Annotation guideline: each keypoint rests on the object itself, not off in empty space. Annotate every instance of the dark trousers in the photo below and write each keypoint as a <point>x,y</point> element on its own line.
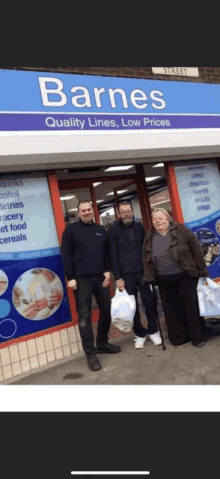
<point>181,309</point>
<point>133,282</point>
<point>86,287</point>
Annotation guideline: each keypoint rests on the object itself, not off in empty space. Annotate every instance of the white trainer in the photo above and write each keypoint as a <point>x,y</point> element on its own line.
<point>156,338</point>
<point>139,342</point>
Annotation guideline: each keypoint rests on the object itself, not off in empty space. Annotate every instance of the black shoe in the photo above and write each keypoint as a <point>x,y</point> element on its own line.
<point>108,349</point>
<point>198,344</point>
<point>93,363</point>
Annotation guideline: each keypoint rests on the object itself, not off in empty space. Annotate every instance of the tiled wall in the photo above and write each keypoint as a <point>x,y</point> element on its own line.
<point>28,356</point>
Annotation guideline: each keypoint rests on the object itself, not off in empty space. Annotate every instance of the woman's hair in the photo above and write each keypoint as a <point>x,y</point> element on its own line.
<point>169,217</point>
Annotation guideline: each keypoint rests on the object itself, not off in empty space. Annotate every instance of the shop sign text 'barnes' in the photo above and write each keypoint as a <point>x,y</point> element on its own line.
<point>34,101</point>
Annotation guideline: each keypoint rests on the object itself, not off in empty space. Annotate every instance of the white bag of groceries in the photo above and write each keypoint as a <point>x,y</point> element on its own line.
<point>209,297</point>
<point>123,308</point>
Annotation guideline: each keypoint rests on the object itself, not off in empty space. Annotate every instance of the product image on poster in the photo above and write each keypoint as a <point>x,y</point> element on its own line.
<point>217,227</point>
<point>3,282</point>
<point>37,294</point>
<point>210,245</point>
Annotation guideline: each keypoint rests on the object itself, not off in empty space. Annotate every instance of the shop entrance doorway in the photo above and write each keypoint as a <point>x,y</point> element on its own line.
<point>105,193</point>
<point>142,188</point>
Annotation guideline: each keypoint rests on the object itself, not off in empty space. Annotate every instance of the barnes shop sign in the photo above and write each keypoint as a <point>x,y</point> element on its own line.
<point>33,101</point>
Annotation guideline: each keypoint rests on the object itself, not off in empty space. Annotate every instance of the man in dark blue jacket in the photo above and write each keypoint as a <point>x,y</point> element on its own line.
<point>86,265</point>
<point>126,238</point>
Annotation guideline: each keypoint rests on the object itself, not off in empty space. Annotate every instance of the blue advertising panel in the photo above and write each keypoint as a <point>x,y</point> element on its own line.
<point>33,296</point>
<point>35,101</point>
<point>199,190</point>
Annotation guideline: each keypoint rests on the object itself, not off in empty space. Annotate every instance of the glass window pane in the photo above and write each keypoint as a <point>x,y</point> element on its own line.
<point>157,186</point>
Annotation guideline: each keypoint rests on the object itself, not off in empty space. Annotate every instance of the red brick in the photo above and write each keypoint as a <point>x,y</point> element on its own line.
<point>206,74</point>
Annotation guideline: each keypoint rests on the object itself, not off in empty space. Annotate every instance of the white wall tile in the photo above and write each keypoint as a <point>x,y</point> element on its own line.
<point>56,339</point>
<point>5,357</point>
<point>77,332</point>
<point>1,375</point>
<point>16,368</point>
<point>74,348</point>
<point>48,342</point>
<point>40,345</point>
<point>34,362</point>
<point>50,356</point>
<point>32,351</point>
<point>80,346</point>
<point>42,359</point>
<point>66,351</point>
<point>72,334</point>
<point>64,337</point>
<point>23,351</point>
<point>25,364</point>
<point>7,372</point>
<point>13,352</point>
<point>59,353</point>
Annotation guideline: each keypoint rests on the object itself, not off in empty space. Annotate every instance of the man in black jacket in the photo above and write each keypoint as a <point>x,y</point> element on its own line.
<point>86,265</point>
<point>126,239</point>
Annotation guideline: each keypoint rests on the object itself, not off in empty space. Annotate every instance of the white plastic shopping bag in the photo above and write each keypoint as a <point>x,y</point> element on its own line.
<point>123,308</point>
<point>209,297</point>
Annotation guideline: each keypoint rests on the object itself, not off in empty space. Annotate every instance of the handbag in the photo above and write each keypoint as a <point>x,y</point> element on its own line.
<point>123,308</point>
<point>209,297</point>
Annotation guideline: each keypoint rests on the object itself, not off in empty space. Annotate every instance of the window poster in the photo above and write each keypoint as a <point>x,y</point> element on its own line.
<point>199,190</point>
<point>33,295</point>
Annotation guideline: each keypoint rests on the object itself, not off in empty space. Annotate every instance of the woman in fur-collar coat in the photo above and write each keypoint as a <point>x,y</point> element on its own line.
<point>173,258</point>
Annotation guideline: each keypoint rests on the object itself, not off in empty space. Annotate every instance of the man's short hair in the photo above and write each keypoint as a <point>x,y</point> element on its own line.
<point>124,203</point>
<point>82,202</point>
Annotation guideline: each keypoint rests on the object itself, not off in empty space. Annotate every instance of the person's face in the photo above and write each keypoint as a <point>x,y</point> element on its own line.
<point>86,213</point>
<point>160,222</point>
<point>125,214</point>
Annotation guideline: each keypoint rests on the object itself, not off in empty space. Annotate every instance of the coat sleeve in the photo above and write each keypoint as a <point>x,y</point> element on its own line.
<point>112,236</point>
<point>107,258</point>
<point>149,273</point>
<point>197,253</point>
<point>142,232</point>
<point>67,254</point>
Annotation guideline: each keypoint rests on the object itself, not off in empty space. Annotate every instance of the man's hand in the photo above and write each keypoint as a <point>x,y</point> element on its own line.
<point>120,284</point>
<point>72,284</point>
<point>106,281</point>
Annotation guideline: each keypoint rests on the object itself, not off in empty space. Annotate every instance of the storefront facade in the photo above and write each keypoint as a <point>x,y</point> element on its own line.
<point>71,136</point>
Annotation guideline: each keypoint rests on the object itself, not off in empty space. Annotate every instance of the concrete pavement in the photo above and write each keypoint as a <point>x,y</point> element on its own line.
<point>151,365</point>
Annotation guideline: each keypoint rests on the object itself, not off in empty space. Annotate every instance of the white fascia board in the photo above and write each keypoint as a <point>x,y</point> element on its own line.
<point>73,142</point>
<point>60,150</point>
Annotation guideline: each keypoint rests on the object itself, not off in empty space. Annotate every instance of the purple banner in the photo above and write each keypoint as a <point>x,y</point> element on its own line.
<point>55,121</point>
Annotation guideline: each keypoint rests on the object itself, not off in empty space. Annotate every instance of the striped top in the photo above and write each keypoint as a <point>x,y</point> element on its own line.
<point>163,262</point>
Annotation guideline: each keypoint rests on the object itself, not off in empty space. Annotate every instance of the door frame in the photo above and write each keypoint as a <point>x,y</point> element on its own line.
<point>62,185</point>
